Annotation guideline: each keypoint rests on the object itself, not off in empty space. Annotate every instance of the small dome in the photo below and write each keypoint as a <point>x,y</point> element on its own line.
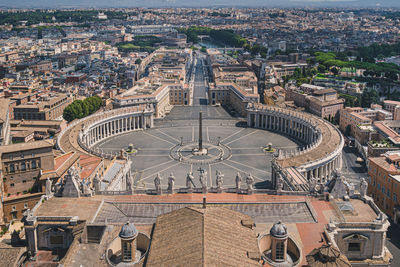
<point>128,231</point>
<point>279,230</point>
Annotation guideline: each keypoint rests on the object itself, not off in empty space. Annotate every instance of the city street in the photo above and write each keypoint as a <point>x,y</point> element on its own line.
<point>200,90</point>
<point>351,169</point>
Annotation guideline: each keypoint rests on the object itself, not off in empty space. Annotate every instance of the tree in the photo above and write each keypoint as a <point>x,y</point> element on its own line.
<point>321,68</point>
<point>80,109</point>
<point>138,61</point>
<point>368,97</point>
<point>391,75</point>
<point>335,71</point>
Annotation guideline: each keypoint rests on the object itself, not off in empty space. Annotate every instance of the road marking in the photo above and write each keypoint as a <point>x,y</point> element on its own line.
<point>155,166</point>
<point>158,138</point>
<point>233,167</point>
<point>152,155</point>
<point>168,135</point>
<point>238,154</point>
<point>153,149</point>
<point>267,172</point>
<point>233,134</point>
<point>242,137</point>
<point>153,174</point>
<point>208,137</point>
<point>192,133</point>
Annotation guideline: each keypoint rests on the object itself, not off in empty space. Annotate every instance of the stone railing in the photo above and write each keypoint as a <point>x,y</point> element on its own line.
<point>184,190</point>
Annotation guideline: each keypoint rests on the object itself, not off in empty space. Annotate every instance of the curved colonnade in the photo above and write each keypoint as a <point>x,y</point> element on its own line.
<point>321,154</point>
<point>97,127</point>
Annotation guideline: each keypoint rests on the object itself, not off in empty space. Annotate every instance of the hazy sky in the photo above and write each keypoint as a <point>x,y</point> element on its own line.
<point>198,3</point>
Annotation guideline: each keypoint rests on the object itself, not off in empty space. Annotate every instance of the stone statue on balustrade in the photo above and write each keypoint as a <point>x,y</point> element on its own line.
<point>203,179</point>
<point>190,181</point>
<point>49,191</point>
<point>129,183</point>
<point>96,183</point>
<point>171,183</point>
<point>238,181</point>
<point>312,183</point>
<point>339,189</point>
<point>219,181</point>
<point>249,182</point>
<point>157,184</point>
<point>363,188</point>
<point>86,190</point>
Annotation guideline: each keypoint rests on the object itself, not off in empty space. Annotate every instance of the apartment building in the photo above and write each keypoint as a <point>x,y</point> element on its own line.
<point>351,117</point>
<point>23,163</point>
<point>384,183</point>
<point>320,101</point>
<point>47,107</point>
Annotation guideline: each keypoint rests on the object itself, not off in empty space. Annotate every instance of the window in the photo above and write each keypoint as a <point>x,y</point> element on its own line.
<point>33,164</point>
<point>12,184</point>
<point>354,247</point>
<point>23,166</point>
<point>25,205</point>
<point>394,197</point>
<point>127,251</point>
<point>280,247</point>
<point>12,167</point>
<point>23,181</point>
<point>14,208</point>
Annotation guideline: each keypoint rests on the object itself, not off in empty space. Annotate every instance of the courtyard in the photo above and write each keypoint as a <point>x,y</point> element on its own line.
<point>232,148</point>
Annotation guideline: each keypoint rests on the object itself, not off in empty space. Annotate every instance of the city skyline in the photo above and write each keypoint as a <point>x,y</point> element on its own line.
<point>202,4</point>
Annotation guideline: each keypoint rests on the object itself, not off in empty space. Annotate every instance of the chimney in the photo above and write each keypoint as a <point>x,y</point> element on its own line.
<point>204,202</point>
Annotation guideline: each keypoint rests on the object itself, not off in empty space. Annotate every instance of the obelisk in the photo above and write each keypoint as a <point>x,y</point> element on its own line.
<point>200,132</point>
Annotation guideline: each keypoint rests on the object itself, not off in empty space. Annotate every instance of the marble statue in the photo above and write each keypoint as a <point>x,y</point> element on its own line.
<point>129,183</point>
<point>249,182</point>
<point>86,190</point>
<point>219,179</point>
<point>48,187</point>
<point>171,182</point>
<point>96,183</point>
<point>203,178</point>
<point>339,190</point>
<point>157,183</point>
<point>312,183</point>
<point>190,180</point>
<point>363,187</point>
